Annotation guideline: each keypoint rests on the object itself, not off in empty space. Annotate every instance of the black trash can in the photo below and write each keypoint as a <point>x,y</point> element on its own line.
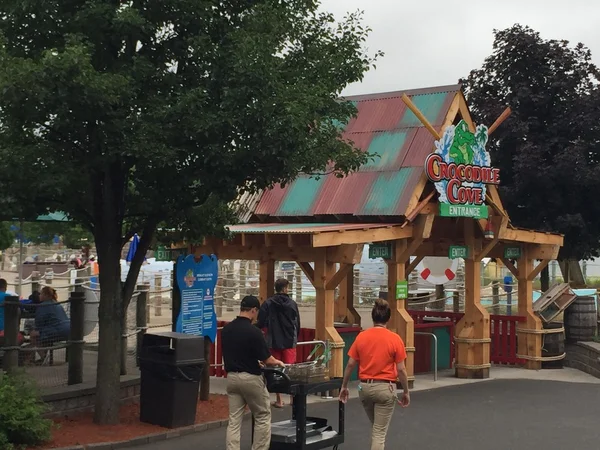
<point>171,367</point>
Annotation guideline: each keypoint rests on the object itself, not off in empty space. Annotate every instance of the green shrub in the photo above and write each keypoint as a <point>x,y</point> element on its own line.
<point>21,420</point>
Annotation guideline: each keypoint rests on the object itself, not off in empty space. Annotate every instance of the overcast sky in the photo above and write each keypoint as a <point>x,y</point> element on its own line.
<point>435,42</point>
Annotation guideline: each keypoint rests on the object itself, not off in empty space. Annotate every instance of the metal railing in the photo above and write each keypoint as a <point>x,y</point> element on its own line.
<point>435,352</point>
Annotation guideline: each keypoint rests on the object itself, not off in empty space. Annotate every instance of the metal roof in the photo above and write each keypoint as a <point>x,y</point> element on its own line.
<point>383,186</point>
<point>303,228</point>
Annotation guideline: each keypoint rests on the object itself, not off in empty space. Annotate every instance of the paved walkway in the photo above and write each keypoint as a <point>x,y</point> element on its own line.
<point>497,414</point>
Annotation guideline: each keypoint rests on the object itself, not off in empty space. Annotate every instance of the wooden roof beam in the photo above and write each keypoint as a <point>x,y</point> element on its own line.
<point>364,236</point>
<point>531,237</point>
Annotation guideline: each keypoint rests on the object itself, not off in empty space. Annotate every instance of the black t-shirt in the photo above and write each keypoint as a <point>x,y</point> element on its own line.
<point>243,347</point>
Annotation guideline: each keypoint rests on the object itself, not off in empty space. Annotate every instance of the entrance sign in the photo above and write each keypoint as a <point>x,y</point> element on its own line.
<point>460,169</point>
<point>401,290</point>
<point>196,282</point>
<point>380,250</point>
<point>458,251</point>
<point>512,252</point>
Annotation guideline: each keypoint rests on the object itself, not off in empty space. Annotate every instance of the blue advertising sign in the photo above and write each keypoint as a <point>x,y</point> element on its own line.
<point>196,282</point>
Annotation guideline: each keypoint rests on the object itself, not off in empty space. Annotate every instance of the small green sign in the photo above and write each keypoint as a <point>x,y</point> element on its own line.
<point>458,251</point>
<point>472,211</point>
<point>512,252</point>
<point>401,290</point>
<point>168,254</point>
<point>380,250</point>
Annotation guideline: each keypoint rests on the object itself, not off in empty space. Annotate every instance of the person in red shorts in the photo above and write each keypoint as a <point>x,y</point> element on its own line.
<point>280,315</point>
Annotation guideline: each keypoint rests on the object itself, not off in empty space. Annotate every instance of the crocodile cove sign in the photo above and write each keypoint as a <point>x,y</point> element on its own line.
<point>460,170</point>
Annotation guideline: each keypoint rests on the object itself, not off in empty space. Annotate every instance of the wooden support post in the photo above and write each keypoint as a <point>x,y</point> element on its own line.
<point>75,349</point>
<point>325,311</point>
<point>473,331</point>
<point>401,322</point>
<point>529,337</point>
<point>266,279</point>
<point>345,302</point>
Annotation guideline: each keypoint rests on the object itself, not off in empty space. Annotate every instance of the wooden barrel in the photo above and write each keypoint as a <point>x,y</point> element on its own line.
<point>553,346</point>
<point>581,319</point>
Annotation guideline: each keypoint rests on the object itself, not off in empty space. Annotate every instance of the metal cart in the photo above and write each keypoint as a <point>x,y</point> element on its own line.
<point>302,432</point>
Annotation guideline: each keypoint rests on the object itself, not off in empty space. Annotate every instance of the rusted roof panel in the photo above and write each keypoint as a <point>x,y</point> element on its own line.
<point>377,115</point>
<point>389,147</point>
<point>270,200</point>
<point>421,146</point>
<point>430,105</point>
<point>301,196</point>
<point>382,187</point>
<point>344,196</point>
<point>385,194</point>
<point>303,228</point>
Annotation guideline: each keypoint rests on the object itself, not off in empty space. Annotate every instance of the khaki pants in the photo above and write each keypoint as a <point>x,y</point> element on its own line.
<point>247,389</point>
<point>379,400</point>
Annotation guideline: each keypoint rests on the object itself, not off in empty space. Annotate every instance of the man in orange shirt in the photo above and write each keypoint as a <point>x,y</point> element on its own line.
<point>380,355</point>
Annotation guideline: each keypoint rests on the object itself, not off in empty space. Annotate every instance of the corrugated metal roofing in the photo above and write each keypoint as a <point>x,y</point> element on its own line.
<point>303,228</point>
<point>382,187</point>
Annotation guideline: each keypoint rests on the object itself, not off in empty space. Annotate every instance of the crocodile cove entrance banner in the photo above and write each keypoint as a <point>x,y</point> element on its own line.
<point>460,170</point>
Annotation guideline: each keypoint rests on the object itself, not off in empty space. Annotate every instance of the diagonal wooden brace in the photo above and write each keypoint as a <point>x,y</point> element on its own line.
<point>337,277</point>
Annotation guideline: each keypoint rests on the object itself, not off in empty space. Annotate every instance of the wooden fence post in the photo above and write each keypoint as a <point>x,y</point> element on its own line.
<point>35,282</point>
<point>456,301</point>
<point>357,296</point>
<point>205,377</point>
<point>242,283</point>
<point>158,295</point>
<point>75,348</point>
<point>496,297</point>
<point>11,333</point>
<point>298,281</point>
<point>141,318</point>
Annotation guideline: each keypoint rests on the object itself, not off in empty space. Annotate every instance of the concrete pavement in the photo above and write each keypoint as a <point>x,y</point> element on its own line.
<point>505,412</point>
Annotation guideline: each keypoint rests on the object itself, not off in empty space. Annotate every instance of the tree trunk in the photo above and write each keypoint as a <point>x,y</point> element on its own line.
<point>572,274</point>
<point>110,324</point>
<point>545,279</point>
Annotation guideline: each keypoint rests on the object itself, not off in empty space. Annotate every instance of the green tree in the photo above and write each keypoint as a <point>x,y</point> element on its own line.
<point>548,150</point>
<point>7,237</point>
<point>137,113</point>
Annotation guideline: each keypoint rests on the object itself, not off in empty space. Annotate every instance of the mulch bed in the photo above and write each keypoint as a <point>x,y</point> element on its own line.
<point>81,430</point>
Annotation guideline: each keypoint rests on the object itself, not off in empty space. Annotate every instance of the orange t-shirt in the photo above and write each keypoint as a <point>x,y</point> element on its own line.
<point>377,351</point>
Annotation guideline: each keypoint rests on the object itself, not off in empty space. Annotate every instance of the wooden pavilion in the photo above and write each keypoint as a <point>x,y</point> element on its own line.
<point>320,223</point>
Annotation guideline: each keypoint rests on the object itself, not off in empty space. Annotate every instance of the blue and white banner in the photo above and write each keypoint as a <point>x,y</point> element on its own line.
<point>196,282</point>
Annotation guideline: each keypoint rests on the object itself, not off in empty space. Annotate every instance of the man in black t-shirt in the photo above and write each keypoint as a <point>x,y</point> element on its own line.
<point>244,348</point>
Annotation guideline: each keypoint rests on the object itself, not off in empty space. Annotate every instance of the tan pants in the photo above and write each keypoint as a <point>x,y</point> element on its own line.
<point>247,389</point>
<point>379,400</point>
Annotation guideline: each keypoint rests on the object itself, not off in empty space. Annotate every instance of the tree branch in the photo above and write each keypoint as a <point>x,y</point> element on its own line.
<point>137,261</point>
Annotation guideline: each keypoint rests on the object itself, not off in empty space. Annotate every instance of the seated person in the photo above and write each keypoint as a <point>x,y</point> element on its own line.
<point>51,322</point>
<point>3,295</point>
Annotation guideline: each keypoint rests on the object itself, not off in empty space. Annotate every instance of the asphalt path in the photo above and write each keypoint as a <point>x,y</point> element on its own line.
<point>491,415</point>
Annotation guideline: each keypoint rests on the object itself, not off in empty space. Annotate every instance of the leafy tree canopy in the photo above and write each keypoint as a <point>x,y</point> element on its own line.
<point>548,150</point>
<point>133,114</point>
